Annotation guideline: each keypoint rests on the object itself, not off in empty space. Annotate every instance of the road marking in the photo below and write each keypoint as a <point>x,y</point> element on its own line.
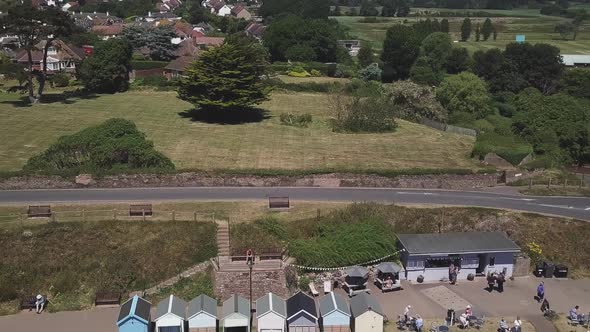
<point>587,209</point>
<point>557,206</point>
<point>410,193</point>
<point>518,199</point>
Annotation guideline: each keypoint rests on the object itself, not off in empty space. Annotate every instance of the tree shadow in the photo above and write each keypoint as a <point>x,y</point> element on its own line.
<point>66,97</point>
<point>234,116</point>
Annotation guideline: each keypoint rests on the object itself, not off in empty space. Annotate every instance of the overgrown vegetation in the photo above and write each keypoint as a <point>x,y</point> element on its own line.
<point>71,261</point>
<point>187,288</point>
<point>296,120</point>
<point>115,144</point>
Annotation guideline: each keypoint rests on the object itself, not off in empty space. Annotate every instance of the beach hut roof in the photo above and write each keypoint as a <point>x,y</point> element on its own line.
<point>202,303</point>
<point>171,305</point>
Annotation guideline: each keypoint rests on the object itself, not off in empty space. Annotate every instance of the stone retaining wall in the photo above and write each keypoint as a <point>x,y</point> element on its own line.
<point>228,283</point>
<point>191,179</point>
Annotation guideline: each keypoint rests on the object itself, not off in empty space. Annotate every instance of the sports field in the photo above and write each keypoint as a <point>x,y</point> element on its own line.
<point>528,22</point>
<point>266,144</point>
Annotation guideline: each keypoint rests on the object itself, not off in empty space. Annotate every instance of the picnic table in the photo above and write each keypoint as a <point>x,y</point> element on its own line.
<point>382,284</point>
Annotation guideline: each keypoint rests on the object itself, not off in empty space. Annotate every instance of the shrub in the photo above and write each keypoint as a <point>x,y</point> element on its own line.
<point>358,114</point>
<point>315,73</point>
<point>371,73</point>
<point>298,71</point>
<point>114,144</point>
<point>60,80</point>
<point>145,64</point>
<point>296,120</point>
<point>415,102</point>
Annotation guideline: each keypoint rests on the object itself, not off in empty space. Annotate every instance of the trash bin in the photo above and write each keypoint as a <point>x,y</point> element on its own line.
<point>539,269</point>
<point>549,269</point>
<point>560,271</point>
<point>450,317</point>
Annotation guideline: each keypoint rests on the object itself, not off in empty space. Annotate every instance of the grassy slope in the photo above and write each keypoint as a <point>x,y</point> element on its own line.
<point>71,261</point>
<point>536,28</point>
<point>263,145</point>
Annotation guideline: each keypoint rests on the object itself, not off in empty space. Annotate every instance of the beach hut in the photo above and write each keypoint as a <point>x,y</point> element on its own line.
<point>301,313</point>
<point>236,315</point>
<point>334,313</point>
<point>271,313</point>
<point>366,313</point>
<point>170,315</point>
<point>134,315</point>
<point>202,314</point>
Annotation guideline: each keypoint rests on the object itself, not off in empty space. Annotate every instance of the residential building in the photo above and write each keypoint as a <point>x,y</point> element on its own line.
<point>177,67</point>
<point>239,11</point>
<point>60,57</point>
<point>108,31</point>
<point>255,30</point>
<point>352,46</point>
<point>206,42</point>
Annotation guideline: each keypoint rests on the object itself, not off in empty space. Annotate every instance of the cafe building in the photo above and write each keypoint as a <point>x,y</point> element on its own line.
<point>427,257</point>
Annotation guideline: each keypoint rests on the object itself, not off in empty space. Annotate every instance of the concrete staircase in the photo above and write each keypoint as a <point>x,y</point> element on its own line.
<point>223,238</point>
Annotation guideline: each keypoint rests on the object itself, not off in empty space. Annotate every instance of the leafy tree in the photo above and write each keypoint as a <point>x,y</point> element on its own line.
<point>13,71</point>
<point>539,64</point>
<point>487,29</point>
<point>556,125</point>
<point>444,25</point>
<point>576,82</point>
<point>116,143</point>
<point>465,93</point>
<point>500,74</point>
<point>156,39</point>
<point>495,33</point>
<point>227,78</point>
<point>300,53</point>
<point>319,35</point>
<point>365,55</point>
<point>437,48</point>
<point>35,28</point>
<point>415,102</point>
<point>403,8</point>
<point>107,70</point>
<point>423,73</point>
<point>389,8</point>
<point>565,29</point>
<point>371,72</point>
<point>368,8</point>
<point>458,60</point>
<point>477,32</point>
<point>466,29</point>
<point>426,27</point>
<point>197,14</point>
<point>400,50</point>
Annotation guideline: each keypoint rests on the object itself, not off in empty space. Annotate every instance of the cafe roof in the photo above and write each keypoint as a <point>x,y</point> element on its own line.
<point>457,243</point>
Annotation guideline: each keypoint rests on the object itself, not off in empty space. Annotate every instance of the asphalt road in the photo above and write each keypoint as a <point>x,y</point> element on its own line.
<point>573,207</point>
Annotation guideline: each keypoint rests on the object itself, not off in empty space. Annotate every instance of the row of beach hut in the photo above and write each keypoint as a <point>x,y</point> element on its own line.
<point>273,314</point>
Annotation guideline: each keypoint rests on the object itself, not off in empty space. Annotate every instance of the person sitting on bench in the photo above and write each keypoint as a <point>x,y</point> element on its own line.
<point>39,303</point>
<point>574,314</point>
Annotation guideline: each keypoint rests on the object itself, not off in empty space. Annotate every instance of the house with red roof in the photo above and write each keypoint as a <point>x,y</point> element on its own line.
<point>60,57</point>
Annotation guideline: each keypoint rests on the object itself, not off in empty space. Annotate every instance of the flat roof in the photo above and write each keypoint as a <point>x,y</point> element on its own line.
<point>573,59</point>
<point>457,243</point>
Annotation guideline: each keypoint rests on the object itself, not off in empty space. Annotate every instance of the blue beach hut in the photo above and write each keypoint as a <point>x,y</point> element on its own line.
<point>134,315</point>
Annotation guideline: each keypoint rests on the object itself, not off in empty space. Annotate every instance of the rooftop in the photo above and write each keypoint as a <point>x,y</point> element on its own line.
<point>457,243</point>
<point>364,302</point>
<point>573,59</point>
<point>333,302</point>
<point>171,305</point>
<point>202,303</point>
<point>271,303</point>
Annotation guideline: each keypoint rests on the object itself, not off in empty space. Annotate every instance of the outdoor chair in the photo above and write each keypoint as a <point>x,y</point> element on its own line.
<point>327,286</point>
<point>477,322</point>
<point>313,290</point>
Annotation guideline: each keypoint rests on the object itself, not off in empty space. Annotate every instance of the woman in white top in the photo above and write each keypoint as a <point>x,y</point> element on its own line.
<point>517,324</point>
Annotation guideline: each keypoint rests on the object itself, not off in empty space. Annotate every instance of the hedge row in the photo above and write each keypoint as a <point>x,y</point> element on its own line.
<point>146,64</point>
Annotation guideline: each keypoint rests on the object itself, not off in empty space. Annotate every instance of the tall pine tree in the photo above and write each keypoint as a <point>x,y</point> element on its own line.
<point>444,25</point>
<point>487,29</point>
<point>466,29</point>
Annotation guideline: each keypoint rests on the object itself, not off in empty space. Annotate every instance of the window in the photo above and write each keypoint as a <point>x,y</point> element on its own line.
<point>492,260</point>
<point>51,50</point>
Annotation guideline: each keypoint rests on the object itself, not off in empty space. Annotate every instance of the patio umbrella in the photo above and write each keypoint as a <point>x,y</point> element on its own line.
<point>389,267</point>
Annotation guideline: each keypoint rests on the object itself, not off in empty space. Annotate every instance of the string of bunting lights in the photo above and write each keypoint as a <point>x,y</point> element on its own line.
<point>313,268</point>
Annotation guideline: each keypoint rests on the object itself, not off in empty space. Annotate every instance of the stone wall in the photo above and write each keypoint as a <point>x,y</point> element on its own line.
<point>522,266</point>
<point>228,283</point>
<point>192,179</point>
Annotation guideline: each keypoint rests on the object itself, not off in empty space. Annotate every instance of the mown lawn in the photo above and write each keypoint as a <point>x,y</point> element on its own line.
<point>536,28</point>
<point>266,144</point>
<point>71,261</point>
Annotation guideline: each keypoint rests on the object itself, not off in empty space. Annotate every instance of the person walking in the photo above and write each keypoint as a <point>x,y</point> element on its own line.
<point>517,324</point>
<point>491,281</point>
<point>407,316</point>
<point>500,281</point>
<point>541,292</point>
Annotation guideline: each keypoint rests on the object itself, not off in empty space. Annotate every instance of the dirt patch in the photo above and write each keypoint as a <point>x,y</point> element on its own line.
<point>191,179</point>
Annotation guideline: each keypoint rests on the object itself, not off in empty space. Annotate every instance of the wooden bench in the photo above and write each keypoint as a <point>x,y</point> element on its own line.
<point>107,298</point>
<point>278,202</point>
<point>139,210</point>
<point>28,302</point>
<point>39,211</point>
<point>313,290</point>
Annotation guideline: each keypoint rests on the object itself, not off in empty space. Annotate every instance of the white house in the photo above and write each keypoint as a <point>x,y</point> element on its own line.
<point>202,314</point>
<point>334,313</point>
<point>366,313</point>
<point>170,315</point>
<point>236,315</point>
<point>271,313</point>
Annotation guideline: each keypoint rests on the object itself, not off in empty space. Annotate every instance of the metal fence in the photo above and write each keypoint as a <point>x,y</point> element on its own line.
<point>449,128</point>
<point>84,215</point>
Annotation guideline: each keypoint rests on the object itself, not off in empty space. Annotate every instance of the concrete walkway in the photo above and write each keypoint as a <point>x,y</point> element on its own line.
<point>95,320</point>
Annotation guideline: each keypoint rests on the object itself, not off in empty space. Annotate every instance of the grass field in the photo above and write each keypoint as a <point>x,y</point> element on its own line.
<point>535,27</point>
<point>71,261</point>
<point>267,144</point>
